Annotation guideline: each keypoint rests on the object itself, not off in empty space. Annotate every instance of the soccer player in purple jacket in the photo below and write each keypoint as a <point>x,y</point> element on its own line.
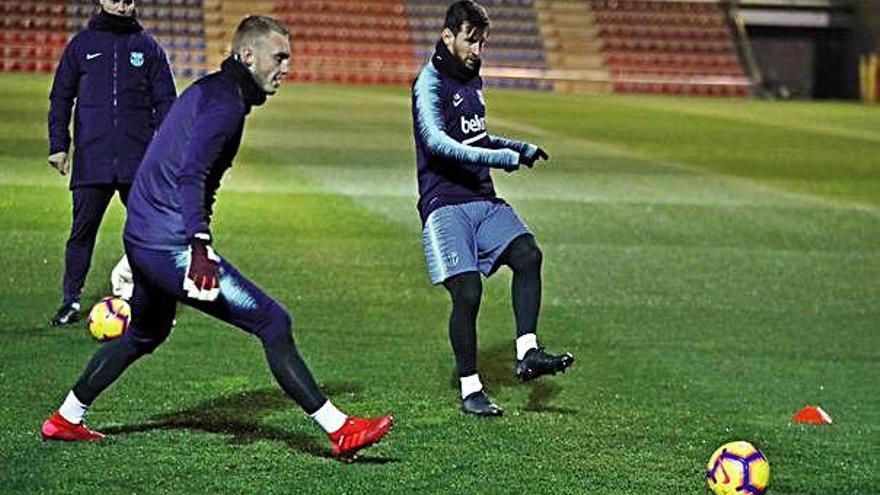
<point>468,229</point>
<point>169,243</point>
<point>119,77</point>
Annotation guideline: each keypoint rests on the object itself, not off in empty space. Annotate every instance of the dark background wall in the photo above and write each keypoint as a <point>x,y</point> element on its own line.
<point>869,24</point>
<point>807,63</point>
<point>811,50</point>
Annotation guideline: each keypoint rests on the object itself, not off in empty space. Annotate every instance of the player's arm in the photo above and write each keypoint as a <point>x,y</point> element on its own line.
<point>528,152</point>
<point>223,161</point>
<point>432,130</point>
<point>498,142</point>
<point>215,124</point>
<point>61,97</point>
<point>163,92</point>
<point>213,127</point>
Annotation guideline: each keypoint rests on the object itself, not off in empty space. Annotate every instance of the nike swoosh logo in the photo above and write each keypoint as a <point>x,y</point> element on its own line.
<point>456,103</point>
<point>90,56</point>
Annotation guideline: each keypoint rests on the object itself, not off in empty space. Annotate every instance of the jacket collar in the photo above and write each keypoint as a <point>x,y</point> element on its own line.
<point>102,21</point>
<point>448,65</point>
<point>252,94</point>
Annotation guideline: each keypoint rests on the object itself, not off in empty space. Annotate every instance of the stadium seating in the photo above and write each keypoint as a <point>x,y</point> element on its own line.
<point>572,47</point>
<point>33,34</point>
<point>654,46</point>
<point>515,50</point>
<point>348,42</point>
<point>669,47</point>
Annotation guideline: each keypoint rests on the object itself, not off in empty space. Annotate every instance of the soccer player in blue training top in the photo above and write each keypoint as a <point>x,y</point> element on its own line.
<point>469,230</point>
<point>168,241</point>
<point>118,75</point>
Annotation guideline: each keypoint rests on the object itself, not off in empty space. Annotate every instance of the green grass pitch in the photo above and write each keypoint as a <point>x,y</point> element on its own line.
<point>713,264</point>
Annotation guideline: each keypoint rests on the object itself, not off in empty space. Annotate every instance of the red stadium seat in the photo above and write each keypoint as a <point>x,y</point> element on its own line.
<point>662,42</point>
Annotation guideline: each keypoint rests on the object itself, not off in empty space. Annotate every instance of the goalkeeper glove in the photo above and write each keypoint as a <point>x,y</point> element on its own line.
<point>202,280</point>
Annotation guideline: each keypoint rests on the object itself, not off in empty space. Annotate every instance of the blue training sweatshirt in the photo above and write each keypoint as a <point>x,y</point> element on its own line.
<point>173,193</point>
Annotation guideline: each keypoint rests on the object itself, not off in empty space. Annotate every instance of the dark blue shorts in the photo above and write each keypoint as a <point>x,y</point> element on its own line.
<point>158,287</point>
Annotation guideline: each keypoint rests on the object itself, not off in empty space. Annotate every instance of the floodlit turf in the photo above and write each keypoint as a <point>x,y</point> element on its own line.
<point>713,264</point>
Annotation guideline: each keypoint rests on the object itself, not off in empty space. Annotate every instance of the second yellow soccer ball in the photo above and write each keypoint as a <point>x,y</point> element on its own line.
<point>738,468</point>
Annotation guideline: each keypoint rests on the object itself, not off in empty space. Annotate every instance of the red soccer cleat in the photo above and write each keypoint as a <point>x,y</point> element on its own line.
<point>359,433</point>
<point>58,428</point>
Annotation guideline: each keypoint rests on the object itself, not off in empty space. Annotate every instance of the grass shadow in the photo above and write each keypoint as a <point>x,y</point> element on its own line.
<point>40,329</point>
<point>496,366</point>
<point>543,391</point>
<point>239,416</point>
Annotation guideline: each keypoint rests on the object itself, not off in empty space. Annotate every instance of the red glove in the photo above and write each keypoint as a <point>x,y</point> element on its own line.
<point>202,280</point>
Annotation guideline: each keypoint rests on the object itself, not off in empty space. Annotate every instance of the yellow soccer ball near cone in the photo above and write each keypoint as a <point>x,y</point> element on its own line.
<point>738,468</point>
<point>109,319</point>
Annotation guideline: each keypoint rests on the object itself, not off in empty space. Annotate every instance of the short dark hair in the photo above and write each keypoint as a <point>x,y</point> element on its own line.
<point>466,11</point>
<point>253,27</point>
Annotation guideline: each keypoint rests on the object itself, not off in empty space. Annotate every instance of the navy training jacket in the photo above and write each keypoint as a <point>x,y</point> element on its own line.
<point>123,87</point>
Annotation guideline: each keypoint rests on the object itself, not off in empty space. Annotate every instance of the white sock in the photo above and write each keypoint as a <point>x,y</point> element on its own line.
<point>329,418</point>
<point>525,343</point>
<point>470,384</point>
<point>72,409</point>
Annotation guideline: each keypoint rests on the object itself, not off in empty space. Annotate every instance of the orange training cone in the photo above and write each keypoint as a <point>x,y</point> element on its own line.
<point>813,415</point>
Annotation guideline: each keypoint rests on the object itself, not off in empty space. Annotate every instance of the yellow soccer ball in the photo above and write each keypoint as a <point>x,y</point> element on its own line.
<point>109,319</point>
<point>738,468</point>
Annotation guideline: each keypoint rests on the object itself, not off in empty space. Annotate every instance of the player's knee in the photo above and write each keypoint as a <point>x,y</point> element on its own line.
<point>278,327</point>
<point>81,238</point>
<point>470,295</point>
<point>525,255</point>
<point>466,289</point>
<point>535,256</point>
<point>148,329</point>
<point>145,342</point>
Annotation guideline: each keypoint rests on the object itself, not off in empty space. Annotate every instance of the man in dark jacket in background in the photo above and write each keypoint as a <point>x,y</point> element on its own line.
<point>122,84</point>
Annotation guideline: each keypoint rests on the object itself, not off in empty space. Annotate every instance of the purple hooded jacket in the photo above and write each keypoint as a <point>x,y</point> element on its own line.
<point>122,84</point>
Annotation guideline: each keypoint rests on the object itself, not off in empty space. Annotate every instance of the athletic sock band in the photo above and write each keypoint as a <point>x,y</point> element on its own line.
<point>470,384</point>
<point>329,418</point>
<point>72,409</point>
<point>525,343</point>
